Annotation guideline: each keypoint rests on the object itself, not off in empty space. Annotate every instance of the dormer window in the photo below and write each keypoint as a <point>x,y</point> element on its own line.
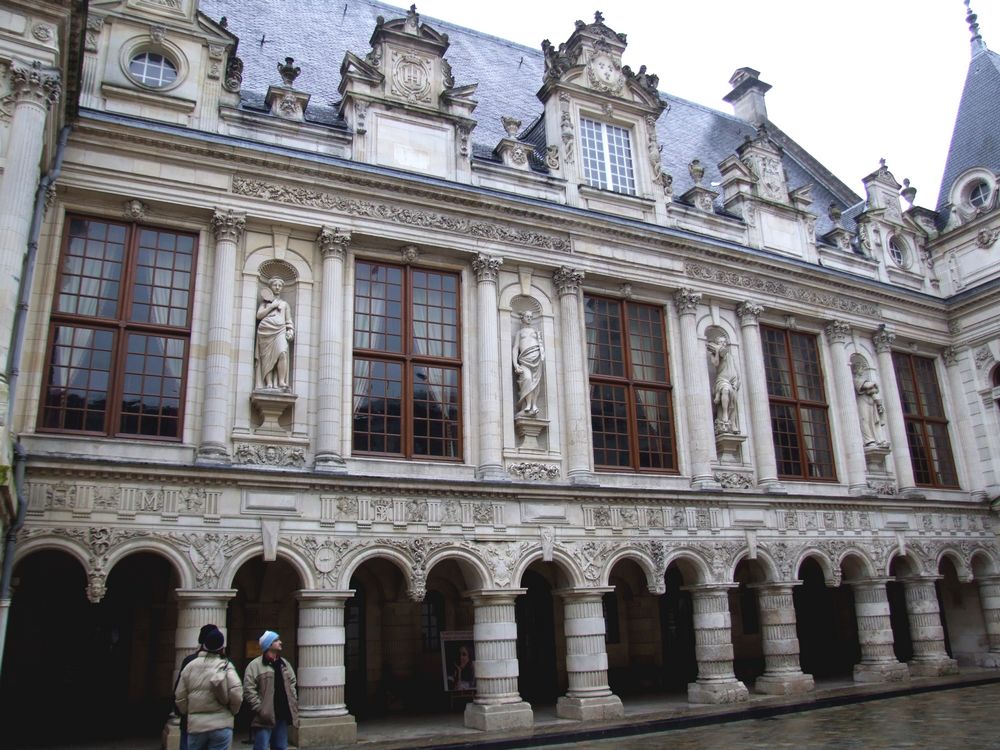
<point>607,157</point>
<point>899,252</point>
<point>152,69</point>
<point>979,195</point>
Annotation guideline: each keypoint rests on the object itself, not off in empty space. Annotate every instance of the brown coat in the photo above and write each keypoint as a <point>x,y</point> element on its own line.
<point>258,689</point>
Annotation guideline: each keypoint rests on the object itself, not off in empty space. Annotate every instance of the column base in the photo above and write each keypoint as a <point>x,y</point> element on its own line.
<point>990,660</point>
<point>932,668</point>
<point>793,683</point>
<point>772,487</point>
<point>861,490</point>
<point>705,483</point>
<point>584,479</point>
<point>911,493</point>
<point>330,463</point>
<point>324,731</point>
<point>213,454</point>
<point>884,672</point>
<point>499,716</point>
<point>589,709</point>
<point>492,474</point>
<point>170,737</point>
<point>728,691</point>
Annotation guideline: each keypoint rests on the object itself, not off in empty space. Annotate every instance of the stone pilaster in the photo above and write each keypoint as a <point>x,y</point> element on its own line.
<point>588,696</point>
<point>878,662</point>
<point>575,390</point>
<point>487,269</point>
<point>930,658</point>
<point>34,90</point>
<point>498,704</point>
<point>228,226</point>
<point>852,444</point>
<point>696,398</point>
<point>974,481</point>
<point>323,716</point>
<point>905,482</point>
<point>989,599</point>
<point>760,406</point>
<point>195,609</point>
<point>713,647</point>
<point>333,245</point>
<point>783,673</point>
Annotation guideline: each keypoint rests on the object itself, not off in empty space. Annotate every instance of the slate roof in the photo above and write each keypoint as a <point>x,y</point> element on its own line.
<point>975,141</point>
<point>317,33</point>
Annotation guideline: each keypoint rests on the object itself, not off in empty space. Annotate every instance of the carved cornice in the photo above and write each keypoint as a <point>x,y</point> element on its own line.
<point>686,301</point>
<point>749,313</point>
<point>34,85</point>
<point>487,267</point>
<point>333,242</point>
<point>567,280</point>
<point>811,297</point>
<point>837,331</point>
<point>883,340</point>
<point>302,196</point>
<point>228,225</point>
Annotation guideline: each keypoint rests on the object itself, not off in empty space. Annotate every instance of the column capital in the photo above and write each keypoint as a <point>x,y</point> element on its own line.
<point>765,586</point>
<point>228,225</point>
<point>567,280</point>
<point>986,580</point>
<point>494,596</point>
<point>316,596</point>
<point>583,592</point>
<point>710,589</point>
<point>837,331</point>
<point>686,301</point>
<point>918,579</point>
<point>34,85</point>
<point>883,339</point>
<point>487,267</point>
<point>194,594</point>
<point>333,242</point>
<point>950,356</point>
<point>749,313</point>
<point>871,583</point>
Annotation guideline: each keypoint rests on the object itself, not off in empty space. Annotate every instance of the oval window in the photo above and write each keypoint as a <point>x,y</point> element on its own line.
<point>152,69</point>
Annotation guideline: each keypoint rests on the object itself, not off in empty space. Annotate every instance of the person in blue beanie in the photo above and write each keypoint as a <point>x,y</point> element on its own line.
<point>269,689</point>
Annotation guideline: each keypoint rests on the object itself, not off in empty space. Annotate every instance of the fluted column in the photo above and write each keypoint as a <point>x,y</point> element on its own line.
<point>852,443</point>
<point>713,647</point>
<point>576,395</point>
<point>974,480</point>
<point>34,90</point>
<point>195,609</point>
<point>989,600</point>
<point>905,482</point>
<point>228,228</point>
<point>487,270</point>
<point>783,673</point>
<point>930,658</point>
<point>498,703</point>
<point>333,245</point>
<point>878,661</point>
<point>760,405</point>
<point>323,716</point>
<point>588,696</point>
<point>696,397</point>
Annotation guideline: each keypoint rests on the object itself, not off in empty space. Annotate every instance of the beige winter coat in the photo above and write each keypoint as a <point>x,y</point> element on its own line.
<point>258,685</point>
<point>209,693</point>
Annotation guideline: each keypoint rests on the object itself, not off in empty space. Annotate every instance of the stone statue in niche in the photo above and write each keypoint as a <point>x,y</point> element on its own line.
<point>528,356</point>
<point>274,332</point>
<point>871,412</point>
<point>726,386</point>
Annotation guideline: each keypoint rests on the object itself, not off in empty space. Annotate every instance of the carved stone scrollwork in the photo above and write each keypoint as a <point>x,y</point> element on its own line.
<point>735,480</point>
<point>228,225</point>
<point>567,280</point>
<point>749,313</point>
<point>987,237</point>
<point>686,301</point>
<point>552,157</point>
<point>487,267</point>
<point>534,472</point>
<point>333,241</point>
<point>983,357</point>
<point>837,331</point>
<point>94,26</point>
<point>234,75</point>
<point>35,85</point>
<point>269,455</point>
<point>883,340</point>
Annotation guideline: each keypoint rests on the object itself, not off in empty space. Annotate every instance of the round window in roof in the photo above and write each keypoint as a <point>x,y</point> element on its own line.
<point>152,69</point>
<point>979,195</point>
<point>899,252</point>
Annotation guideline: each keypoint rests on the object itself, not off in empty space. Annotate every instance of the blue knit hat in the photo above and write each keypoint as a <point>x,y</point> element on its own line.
<point>267,639</point>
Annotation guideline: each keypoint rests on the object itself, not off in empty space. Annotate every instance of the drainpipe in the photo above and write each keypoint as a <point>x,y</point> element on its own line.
<point>13,363</point>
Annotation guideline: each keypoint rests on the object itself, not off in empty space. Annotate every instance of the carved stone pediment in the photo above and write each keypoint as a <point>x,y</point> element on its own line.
<point>762,157</point>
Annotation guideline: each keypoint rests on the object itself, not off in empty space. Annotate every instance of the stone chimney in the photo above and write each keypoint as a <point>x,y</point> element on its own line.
<point>747,96</point>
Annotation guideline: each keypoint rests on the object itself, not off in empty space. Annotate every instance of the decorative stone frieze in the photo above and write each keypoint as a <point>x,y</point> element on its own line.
<point>534,472</point>
<point>734,480</point>
<point>269,455</point>
<point>302,196</point>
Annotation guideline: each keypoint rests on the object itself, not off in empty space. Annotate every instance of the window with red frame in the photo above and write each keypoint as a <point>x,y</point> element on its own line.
<point>631,400</point>
<point>926,425</point>
<point>407,362</point>
<point>119,331</point>
<point>800,422</point>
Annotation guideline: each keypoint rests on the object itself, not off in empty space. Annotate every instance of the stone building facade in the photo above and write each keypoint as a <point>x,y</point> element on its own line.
<point>460,340</point>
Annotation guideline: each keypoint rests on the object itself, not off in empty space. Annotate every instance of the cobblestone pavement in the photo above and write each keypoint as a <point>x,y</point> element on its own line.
<point>960,719</point>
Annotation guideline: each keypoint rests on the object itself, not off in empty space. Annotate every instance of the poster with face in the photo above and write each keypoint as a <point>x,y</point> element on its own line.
<point>458,660</point>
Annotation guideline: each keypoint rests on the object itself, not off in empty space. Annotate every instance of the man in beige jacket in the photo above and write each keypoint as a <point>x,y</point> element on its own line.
<point>209,693</point>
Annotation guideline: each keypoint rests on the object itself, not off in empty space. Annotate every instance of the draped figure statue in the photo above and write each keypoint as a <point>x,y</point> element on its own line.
<point>726,386</point>
<point>871,412</point>
<point>274,330</point>
<point>528,356</point>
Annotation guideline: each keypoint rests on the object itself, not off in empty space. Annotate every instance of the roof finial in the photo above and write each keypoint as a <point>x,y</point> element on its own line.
<point>978,45</point>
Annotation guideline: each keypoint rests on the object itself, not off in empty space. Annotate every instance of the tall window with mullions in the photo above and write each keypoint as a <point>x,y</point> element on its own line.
<point>800,421</point>
<point>407,362</point>
<point>631,398</point>
<point>926,425</point>
<point>119,331</point>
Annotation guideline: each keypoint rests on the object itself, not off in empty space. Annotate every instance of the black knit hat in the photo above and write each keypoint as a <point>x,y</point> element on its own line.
<point>205,630</point>
<point>214,640</point>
